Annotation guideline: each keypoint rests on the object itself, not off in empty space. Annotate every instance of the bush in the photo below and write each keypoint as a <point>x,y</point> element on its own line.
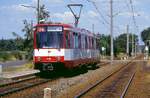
<point>11,55</point>
<point>5,57</point>
<point>29,65</point>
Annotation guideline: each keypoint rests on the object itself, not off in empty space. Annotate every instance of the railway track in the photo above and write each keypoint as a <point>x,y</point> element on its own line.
<point>21,85</point>
<point>127,86</point>
<point>119,79</point>
<point>17,81</point>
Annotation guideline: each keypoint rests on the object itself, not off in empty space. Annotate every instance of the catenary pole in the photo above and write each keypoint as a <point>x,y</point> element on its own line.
<point>127,48</point>
<point>132,44</point>
<point>111,30</point>
<point>93,28</point>
<point>38,11</point>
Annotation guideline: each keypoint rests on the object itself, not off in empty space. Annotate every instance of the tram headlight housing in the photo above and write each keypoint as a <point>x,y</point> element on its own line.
<point>39,58</point>
<point>49,58</point>
<point>58,58</point>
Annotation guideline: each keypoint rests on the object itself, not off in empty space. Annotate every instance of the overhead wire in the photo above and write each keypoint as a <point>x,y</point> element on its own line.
<point>133,15</point>
<point>127,5</point>
<point>104,21</point>
<point>103,17</point>
<point>99,12</point>
<point>129,9</point>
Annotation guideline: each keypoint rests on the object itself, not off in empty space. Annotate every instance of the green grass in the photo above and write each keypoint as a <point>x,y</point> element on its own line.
<point>24,67</point>
<point>29,65</point>
<point>11,55</point>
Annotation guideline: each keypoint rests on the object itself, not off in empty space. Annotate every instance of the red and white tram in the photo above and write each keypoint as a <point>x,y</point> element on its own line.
<point>57,45</point>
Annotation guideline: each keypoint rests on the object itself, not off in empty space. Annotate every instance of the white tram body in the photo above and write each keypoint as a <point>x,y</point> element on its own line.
<point>62,44</point>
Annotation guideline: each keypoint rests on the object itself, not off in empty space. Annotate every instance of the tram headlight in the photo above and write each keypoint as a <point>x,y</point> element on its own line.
<point>49,58</point>
<point>58,58</point>
<point>39,58</point>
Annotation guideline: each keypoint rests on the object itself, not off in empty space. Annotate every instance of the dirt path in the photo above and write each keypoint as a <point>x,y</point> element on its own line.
<point>140,88</point>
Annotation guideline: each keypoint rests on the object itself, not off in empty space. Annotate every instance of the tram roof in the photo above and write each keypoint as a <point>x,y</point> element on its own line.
<point>55,24</point>
<point>68,27</point>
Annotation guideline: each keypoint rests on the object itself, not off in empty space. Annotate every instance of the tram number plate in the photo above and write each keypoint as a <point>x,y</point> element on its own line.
<point>54,28</point>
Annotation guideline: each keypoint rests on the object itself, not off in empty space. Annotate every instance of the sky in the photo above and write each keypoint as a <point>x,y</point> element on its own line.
<point>12,14</point>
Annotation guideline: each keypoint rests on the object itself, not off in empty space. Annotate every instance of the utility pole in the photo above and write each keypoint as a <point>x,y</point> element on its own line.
<point>111,30</point>
<point>93,27</point>
<point>132,44</point>
<point>127,48</point>
<point>37,8</point>
<point>38,11</point>
<point>135,48</point>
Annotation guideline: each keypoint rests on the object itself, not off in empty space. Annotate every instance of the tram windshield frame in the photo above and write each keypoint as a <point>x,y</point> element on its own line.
<point>49,37</point>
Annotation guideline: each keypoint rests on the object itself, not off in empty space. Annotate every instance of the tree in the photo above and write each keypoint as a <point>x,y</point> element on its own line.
<point>28,41</point>
<point>11,45</point>
<point>120,43</point>
<point>104,41</point>
<point>18,41</point>
<point>145,34</point>
<point>44,14</point>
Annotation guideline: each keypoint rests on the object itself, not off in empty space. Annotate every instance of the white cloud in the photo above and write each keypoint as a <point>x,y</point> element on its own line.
<point>129,14</point>
<point>144,15</point>
<point>65,17</point>
<point>49,1</point>
<point>92,14</point>
<point>140,14</point>
<point>16,8</point>
<point>56,1</point>
<point>20,8</point>
<point>136,2</point>
<point>95,0</point>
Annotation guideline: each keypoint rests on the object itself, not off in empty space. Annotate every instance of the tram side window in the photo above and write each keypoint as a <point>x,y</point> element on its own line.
<point>79,42</point>
<point>74,40</point>
<point>83,41</point>
<point>71,40</point>
<point>86,42</point>
<point>94,43</point>
<point>90,43</point>
<point>75,37</point>
<point>67,40</point>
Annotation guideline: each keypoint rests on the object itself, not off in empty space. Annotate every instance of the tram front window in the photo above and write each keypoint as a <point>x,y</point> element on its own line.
<point>49,39</point>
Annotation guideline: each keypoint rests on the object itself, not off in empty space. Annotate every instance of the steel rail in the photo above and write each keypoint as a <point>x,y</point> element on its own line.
<point>25,87</point>
<point>17,81</point>
<point>127,86</point>
<point>99,81</point>
<point>10,91</point>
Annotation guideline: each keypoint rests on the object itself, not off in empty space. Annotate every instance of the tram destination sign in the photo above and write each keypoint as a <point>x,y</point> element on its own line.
<point>54,28</point>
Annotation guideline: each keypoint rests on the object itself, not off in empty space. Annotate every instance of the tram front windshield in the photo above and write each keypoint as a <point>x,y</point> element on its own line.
<point>49,39</point>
